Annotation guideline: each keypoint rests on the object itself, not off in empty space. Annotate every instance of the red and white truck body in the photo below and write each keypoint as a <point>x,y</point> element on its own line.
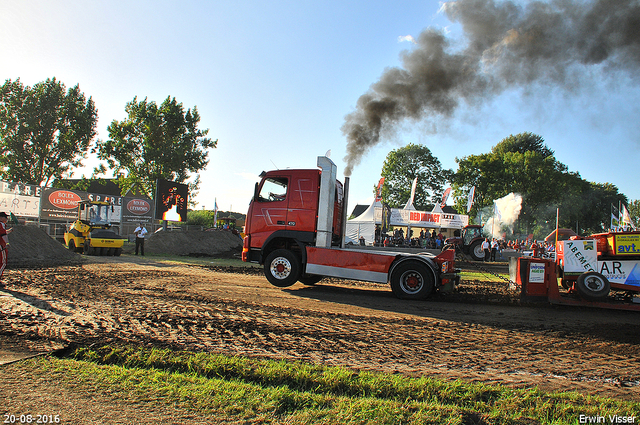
<point>295,228</point>
<point>600,263</point>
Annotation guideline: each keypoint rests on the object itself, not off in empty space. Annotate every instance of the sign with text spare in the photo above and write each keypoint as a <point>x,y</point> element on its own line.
<point>62,204</point>
<point>136,210</point>
<point>22,200</point>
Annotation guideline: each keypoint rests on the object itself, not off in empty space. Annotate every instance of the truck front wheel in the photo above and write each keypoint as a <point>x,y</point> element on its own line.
<point>282,268</point>
<point>412,280</point>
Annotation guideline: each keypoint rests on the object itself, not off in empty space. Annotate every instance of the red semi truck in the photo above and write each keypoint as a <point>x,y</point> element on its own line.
<point>295,228</point>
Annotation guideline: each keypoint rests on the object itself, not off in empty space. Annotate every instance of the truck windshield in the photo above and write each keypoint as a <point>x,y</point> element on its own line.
<point>470,234</point>
<point>98,214</point>
<point>273,189</point>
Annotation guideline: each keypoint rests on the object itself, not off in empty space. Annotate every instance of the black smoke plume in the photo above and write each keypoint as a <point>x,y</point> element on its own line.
<point>508,44</point>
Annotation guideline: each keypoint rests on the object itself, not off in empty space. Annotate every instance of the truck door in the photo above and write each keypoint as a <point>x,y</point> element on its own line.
<point>303,202</point>
<point>269,209</point>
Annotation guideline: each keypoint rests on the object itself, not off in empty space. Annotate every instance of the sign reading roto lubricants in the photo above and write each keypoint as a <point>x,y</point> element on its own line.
<point>137,210</point>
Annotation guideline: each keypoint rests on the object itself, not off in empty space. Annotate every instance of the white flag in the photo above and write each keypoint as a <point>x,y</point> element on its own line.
<point>472,193</point>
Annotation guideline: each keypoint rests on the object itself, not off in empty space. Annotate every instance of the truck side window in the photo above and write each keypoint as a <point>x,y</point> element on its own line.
<point>273,189</point>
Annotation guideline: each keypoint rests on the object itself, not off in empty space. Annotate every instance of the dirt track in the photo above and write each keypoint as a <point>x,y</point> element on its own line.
<point>127,300</point>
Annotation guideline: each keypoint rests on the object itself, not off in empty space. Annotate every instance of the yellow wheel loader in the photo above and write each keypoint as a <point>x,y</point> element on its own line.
<point>91,233</point>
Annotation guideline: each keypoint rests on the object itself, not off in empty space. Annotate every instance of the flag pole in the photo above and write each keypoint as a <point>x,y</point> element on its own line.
<point>557,228</point>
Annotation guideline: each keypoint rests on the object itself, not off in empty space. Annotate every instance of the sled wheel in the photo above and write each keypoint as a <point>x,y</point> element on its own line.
<point>282,268</point>
<point>310,279</point>
<point>593,286</point>
<point>476,251</point>
<point>412,280</point>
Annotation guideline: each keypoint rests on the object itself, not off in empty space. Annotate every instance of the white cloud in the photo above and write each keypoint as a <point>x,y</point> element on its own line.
<point>404,38</point>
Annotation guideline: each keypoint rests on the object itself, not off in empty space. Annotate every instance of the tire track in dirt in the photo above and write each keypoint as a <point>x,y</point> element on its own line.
<point>195,309</point>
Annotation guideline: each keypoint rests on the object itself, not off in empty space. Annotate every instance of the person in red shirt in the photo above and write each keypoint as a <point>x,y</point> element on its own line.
<point>4,243</point>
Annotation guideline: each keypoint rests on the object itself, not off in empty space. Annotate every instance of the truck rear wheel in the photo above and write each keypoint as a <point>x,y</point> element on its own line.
<point>310,279</point>
<point>412,280</point>
<point>88,249</point>
<point>282,268</point>
<point>592,286</point>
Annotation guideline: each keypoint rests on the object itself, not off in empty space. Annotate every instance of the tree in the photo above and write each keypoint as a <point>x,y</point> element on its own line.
<point>400,169</point>
<point>530,173</point>
<point>156,143</point>
<point>524,164</point>
<point>522,143</point>
<point>44,131</point>
<point>634,211</point>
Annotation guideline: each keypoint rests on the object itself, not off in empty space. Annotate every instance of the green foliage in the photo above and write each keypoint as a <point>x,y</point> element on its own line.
<point>634,211</point>
<point>156,142</point>
<point>400,169</point>
<point>45,130</point>
<point>201,218</point>
<point>523,164</point>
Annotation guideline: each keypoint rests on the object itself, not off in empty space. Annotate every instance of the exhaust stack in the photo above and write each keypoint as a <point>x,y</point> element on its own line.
<point>345,200</point>
<point>326,202</point>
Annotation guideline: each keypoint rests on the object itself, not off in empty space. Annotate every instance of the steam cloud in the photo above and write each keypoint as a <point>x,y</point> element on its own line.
<point>505,213</point>
<point>509,45</point>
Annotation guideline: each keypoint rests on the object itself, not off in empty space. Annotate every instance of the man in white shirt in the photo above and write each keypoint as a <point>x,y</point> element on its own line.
<point>140,232</point>
<point>494,249</point>
<point>486,247</point>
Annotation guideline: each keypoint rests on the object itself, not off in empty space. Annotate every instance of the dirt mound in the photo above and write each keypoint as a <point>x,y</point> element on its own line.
<point>30,246</point>
<point>214,243</point>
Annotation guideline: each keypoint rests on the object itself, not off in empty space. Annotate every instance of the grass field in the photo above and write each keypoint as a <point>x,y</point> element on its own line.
<point>263,391</point>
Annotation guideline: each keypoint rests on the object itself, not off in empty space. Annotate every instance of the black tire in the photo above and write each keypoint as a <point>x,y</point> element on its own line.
<point>412,280</point>
<point>282,268</point>
<point>111,252</point>
<point>310,279</point>
<point>72,245</point>
<point>102,250</point>
<point>117,252</point>
<point>88,249</point>
<point>592,286</point>
<point>476,252</point>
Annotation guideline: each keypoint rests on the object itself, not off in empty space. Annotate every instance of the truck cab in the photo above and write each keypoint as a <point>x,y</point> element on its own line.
<point>295,227</point>
<point>284,209</point>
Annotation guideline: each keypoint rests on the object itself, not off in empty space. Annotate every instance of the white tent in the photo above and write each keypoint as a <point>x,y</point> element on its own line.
<point>363,225</point>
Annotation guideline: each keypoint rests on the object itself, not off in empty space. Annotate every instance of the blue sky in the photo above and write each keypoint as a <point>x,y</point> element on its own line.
<point>273,82</point>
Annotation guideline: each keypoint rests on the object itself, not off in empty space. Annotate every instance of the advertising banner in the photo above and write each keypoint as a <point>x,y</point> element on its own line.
<point>62,204</point>
<point>536,272</point>
<point>23,200</point>
<point>578,256</point>
<point>136,210</point>
<point>171,200</point>
<point>401,217</point>
<point>626,272</point>
<point>626,244</point>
